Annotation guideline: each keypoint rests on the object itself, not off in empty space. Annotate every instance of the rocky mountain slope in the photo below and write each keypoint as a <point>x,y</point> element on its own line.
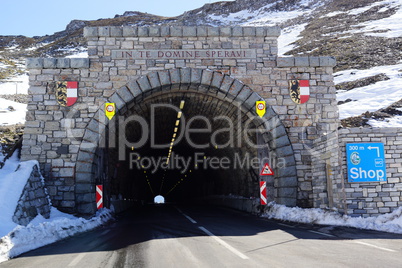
<point>361,34</point>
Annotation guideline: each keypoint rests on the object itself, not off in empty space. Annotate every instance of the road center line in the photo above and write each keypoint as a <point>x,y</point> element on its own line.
<point>188,217</point>
<point>77,259</point>
<point>220,241</point>
<point>223,243</point>
<point>374,246</point>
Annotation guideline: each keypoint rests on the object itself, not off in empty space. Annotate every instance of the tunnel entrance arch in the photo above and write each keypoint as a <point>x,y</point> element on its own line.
<point>220,108</point>
<point>142,66</point>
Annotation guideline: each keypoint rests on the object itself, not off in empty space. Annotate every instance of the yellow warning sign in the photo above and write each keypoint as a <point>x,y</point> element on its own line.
<point>260,108</point>
<point>110,110</point>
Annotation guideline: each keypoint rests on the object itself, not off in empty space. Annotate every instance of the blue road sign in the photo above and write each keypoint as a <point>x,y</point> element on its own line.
<point>366,162</point>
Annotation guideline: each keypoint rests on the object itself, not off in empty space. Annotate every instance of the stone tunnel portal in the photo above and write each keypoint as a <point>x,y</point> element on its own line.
<point>189,142</point>
<point>218,74</point>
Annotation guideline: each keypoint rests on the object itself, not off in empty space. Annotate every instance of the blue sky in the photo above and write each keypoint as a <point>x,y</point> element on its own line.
<point>41,17</point>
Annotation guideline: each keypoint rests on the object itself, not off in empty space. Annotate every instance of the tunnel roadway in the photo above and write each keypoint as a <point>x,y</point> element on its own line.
<point>200,236</point>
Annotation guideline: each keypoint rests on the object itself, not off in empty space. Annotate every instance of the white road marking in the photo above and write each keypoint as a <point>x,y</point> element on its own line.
<point>315,232</point>
<point>188,217</point>
<point>223,243</point>
<point>77,259</point>
<point>282,224</point>
<point>220,241</point>
<point>374,246</point>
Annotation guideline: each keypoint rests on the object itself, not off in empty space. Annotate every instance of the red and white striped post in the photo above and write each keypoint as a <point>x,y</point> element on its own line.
<point>263,192</point>
<point>99,196</point>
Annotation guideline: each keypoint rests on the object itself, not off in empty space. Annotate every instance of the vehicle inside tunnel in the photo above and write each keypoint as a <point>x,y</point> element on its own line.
<point>183,145</point>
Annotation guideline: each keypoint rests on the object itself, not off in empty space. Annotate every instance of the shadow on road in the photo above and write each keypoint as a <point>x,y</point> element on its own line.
<point>134,227</point>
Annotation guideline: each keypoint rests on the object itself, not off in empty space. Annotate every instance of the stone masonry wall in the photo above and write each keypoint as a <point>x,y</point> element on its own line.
<point>327,183</point>
<point>54,134</point>
<point>33,201</point>
<point>371,199</point>
<point>307,122</point>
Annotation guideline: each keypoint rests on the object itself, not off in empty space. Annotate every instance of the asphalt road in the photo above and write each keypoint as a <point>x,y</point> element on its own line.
<point>177,236</point>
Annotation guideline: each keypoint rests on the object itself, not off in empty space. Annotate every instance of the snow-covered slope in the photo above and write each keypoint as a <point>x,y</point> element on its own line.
<point>364,35</point>
<point>361,34</point>
<point>372,97</point>
<point>16,239</point>
<point>12,113</point>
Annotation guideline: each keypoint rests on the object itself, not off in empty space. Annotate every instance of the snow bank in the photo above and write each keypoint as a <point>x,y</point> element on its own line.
<point>12,183</point>
<point>391,222</point>
<point>16,239</point>
<point>41,232</point>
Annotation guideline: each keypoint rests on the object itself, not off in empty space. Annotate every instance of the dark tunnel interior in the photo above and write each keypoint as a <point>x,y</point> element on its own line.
<point>185,146</point>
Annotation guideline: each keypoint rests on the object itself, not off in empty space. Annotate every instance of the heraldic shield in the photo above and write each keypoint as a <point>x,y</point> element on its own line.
<point>299,90</point>
<point>66,92</point>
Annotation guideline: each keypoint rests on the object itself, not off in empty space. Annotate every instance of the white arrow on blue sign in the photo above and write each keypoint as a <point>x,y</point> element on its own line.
<point>366,162</point>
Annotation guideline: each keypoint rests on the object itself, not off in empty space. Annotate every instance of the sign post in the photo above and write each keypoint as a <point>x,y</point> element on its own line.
<point>263,192</point>
<point>99,196</point>
<point>366,162</point>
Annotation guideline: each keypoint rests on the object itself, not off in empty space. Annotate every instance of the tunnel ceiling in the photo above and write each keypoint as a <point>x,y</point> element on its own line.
<point>197,109</point>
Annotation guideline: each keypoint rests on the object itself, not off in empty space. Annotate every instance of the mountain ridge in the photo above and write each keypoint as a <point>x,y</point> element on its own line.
<point>327,31</point>
<point>355,32</point>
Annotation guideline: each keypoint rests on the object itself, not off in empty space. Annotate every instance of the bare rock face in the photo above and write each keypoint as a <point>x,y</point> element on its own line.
<point>328,30</point>
<point>323,35</point>
<point>361,82</point>
<point>75,25</point>
<point>129,14</point>
<point>202,16</point>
